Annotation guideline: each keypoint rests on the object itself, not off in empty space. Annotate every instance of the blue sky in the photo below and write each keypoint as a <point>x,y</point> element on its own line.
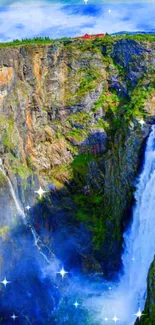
<point>21,19</point>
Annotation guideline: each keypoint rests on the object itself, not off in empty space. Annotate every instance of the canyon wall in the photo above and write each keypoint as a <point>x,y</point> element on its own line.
<point>74,117</point>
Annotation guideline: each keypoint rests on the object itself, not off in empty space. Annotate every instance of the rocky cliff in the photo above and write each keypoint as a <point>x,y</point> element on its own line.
<point>74,117</point>
<point>148,317</point>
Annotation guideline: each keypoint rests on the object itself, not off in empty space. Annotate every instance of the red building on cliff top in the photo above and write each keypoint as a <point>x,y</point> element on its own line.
<point>87,36</point>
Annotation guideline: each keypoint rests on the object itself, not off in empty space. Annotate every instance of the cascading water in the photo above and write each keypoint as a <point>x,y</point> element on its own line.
<point>17,205</point>
<point>37,241</point>
<point>140,239</point>
<point>128,296</point>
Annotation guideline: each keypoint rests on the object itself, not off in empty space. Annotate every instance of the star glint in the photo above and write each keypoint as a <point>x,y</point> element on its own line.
<point>115,319</point>
<point>40,192</point>
<point>28,207</point>
<point>14,317</point>
<point>5,282</point>
<point>139,314</point>
<point>76,304</point>
<point>62,272</point>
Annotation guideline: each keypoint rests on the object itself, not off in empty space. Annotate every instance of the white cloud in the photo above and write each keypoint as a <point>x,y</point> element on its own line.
<point>21,20</point>
<point>37,19</point>
<point>137,19</point>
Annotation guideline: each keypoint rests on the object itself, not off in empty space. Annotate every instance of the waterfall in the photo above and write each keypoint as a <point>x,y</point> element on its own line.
<point>37,241</point>
<point>17,205</point>
<point>128,295</point>
<point>140,239</point>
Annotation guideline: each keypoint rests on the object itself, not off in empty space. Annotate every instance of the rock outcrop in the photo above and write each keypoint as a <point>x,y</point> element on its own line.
<point>148,317</point>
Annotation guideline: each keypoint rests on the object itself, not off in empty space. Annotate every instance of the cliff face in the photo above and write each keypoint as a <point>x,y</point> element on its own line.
<point>70,117</point>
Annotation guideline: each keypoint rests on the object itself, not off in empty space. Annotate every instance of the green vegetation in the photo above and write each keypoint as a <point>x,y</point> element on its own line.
<point>86,85</point>
<point>138,97</point>
<point>107,100</point>
<point>101,123</point>
<point>89,205</point>
<point>136,37</point>
<point>3,231</point>
<point>3,181</point>
<point>81,118</point>
<point>19,168</point>
<point>90,212</point>
<point>59,175</point>
<point>80,164</point>
<point>8,134</point>
<point>98,42</point>
<point>86,80</point>
<point>10,141</point>
<point>34,41</point>
<point>76,135</point>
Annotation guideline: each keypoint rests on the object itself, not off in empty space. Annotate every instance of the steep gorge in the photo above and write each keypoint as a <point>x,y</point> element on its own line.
<point>72,116</point>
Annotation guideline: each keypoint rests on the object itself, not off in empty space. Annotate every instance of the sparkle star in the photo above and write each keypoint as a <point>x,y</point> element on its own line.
<point>109,288</point>
<point>115,319</point>
<point>40,192</point>
<point>76,304</point>
<point>62,272</point>
<point>109,11</point>
<point>5,282</point>
<point>106,319</point>
<point>28,207</point>
<point>14,317</point>
<point>139,314</point>
<point>133,259</point>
